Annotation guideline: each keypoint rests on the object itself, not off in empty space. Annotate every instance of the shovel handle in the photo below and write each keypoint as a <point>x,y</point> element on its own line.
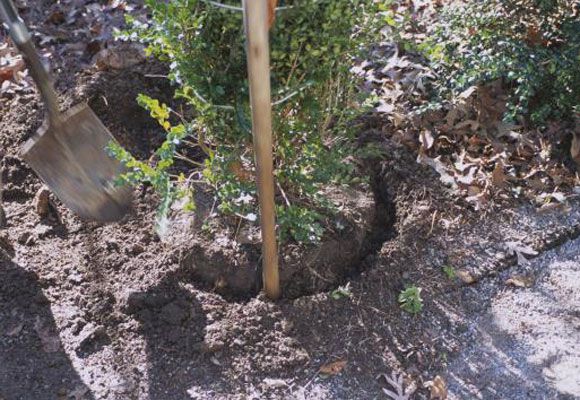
<point>22,39</point>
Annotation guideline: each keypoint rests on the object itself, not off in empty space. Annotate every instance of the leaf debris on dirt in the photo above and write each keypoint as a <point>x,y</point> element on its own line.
<point>333,368</point>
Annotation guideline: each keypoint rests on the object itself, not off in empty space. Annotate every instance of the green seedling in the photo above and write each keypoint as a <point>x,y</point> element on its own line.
<point>342,292</point>
<point>449,271</point>
<point>410,300</point>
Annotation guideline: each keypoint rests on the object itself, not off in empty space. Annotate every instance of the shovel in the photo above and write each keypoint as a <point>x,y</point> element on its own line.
<point>69,150</point>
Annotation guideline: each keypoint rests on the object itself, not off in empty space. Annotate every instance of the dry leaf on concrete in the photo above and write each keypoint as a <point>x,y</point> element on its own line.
<point>438,389</point>
<point>333,368</point>
<point>523,281</point>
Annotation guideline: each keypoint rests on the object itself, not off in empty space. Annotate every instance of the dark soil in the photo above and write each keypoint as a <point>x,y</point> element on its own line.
<point>90,311</point>
<point>231,264</point>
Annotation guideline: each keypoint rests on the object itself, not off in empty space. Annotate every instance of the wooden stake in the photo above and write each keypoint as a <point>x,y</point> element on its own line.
<point>258,53</point>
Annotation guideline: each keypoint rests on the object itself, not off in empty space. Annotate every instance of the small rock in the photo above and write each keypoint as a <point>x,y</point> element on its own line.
<point>466,276</point>
<point>132,301</point>
<point>136,249</point>
<point>275,383</point>
<point>120,57</point>
<point>41,231</point>
<point>145,238</point>
<point>249,235</point>
<point>287,326</point>
<point>78,325</point>
<point>42,202</point>
<point>88,335</point>
<point>75,277</point>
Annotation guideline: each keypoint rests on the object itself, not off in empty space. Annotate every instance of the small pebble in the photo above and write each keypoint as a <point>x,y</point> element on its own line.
<point>42,202</point>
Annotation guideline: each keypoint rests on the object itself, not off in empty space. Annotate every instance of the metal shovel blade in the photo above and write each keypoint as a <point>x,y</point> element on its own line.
<point>70,156</point>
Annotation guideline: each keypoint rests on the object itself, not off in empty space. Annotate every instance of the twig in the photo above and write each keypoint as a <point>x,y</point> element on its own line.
<point>294,64</point>
<point>433,222</point>
<point>156,76</point>
<point>283,194</point>
<point>203,100</point>
<point>288,97</point>
<point>184,158</point>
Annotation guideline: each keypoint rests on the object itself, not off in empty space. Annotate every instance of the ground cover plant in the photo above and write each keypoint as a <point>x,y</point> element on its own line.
<point>313,44</point>
<point>531,46</point>
<point>485,93</point>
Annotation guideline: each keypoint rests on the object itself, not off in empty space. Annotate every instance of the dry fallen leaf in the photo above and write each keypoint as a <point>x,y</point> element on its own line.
<point>523,281</point>
<point>439,167</point>
<point>385,108</point>
<point>521,251</point>
<point>465,276</point>
<point>552,207</point>
<point>333,368</point>
<point>498,177</point>
<point>467,93</point>
<point>9,67</point>
<point>56,17</point>
<point>120,57</point>
<point>397,119</point>
<point>237,168</point>
<point>426,139</point>
<point>438,389</point>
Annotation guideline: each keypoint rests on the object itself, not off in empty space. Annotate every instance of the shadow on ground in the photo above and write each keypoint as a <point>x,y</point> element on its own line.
<point>33,365</point>
<point>173,323</point>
